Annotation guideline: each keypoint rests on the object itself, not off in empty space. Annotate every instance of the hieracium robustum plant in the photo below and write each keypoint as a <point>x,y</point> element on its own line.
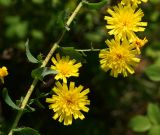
<point>96,77</point>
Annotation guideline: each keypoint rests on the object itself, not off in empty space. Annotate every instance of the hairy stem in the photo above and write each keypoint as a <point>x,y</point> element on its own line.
<point>45,62</point>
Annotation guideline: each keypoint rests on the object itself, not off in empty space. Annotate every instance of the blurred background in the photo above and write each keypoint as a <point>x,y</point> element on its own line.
<point>114,101</point>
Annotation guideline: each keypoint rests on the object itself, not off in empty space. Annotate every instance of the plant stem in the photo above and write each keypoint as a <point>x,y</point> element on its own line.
<point>73,15</point>
<point>45,62</point>
<point>88,50</point>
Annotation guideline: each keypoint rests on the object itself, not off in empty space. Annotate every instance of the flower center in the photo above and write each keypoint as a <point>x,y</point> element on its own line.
<point>64,69</point>
<point>125,23</point>
<point>69,101</point>
<point>119,56</point>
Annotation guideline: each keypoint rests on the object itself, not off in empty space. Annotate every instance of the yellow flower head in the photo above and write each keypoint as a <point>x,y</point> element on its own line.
<point>124,21</point>
<point>139,43</point>
<point>68,101</point>
<point>3,73</point>
<point>120,58</point>
<point>65,67</point>
<point>133,2</point>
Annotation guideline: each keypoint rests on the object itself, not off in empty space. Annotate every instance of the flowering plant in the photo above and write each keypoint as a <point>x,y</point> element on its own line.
<point>89,72</point>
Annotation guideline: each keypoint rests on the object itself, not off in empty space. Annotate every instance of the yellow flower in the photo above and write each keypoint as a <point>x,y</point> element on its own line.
<point>133,2</point>
<point>124,21</point>
<point>139,43</point>
<point>65,67</point>
<point>68,101</point>
<point>120,58</point>
<point>3,73</point>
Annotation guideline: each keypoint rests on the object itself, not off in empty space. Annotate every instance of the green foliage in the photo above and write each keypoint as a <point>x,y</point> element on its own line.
<point>25,131</point>
<point>40,73</point>
<point>155,130</point>
<point>153,71</point>
<point>153,113</point>
<point>16,27</point>
<point>140,124</point>
<point>38,1</point>
<point>97,5</point>
<point>72,53</point>
<point>150,122</point>
<point>42,21</point>
<point>37,34</point>
<point>5,2</point>
<point>30,57</point>
<point>8,100</point>
<point>37,101</point>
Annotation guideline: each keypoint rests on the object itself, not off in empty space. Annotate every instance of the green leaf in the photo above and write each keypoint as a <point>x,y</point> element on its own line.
<point>30,57</point>
<point>39,104</point>
<point>5,2</point>
<point>28,108</point>
<point>40,73</point>
<point>155,130</point>
<point>153,72</point>
<point>97,5</point>
<point>40,58</point>
<point>25,131</point>
<point>8,100</point>
<point>37,34</point>
<point>38,1</point>
<point>153,113</point>
<point>140,124</point>
<point>72,53</point>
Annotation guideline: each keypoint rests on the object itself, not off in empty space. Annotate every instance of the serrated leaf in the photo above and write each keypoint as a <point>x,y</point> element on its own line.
<point>8,100</point>
<point>155,130</point>
<point>30,57</point>
<point>72,53</point>
<point>25,131</point>
<point>140,124</point>
<point>40,73</point>
<point>153,72</point>
<point>97,5</point>
<point>153,113</point>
